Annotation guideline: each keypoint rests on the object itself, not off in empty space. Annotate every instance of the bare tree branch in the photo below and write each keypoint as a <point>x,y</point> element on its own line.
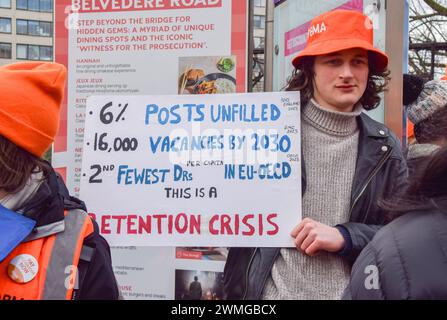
<point>428,35</point>
<point>423,16</point>
<point>440,9</point>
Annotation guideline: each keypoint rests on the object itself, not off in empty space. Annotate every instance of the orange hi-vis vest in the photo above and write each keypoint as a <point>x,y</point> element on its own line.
<point>57,256</point>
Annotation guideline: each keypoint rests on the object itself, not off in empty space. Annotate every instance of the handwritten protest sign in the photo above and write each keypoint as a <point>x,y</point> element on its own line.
<point>202,170</point>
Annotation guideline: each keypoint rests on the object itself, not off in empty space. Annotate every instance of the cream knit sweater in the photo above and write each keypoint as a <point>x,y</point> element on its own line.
<point>330,143</point>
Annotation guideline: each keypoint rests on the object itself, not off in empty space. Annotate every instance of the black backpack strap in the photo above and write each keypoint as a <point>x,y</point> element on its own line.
<point>70,202</point>
<point>87,253</point>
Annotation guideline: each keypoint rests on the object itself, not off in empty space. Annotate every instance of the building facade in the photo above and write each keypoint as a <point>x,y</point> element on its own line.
<point>258,44</point>
<point>26,30</point>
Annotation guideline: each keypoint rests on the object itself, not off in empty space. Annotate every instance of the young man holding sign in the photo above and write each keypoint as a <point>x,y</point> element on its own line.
<point>349,163</point>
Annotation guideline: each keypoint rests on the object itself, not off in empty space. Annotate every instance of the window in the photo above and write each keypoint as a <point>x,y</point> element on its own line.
<point>260,3</point>
<point>5,4</point>
<point>5,25</point>
<point>34,28</point>
<point>46,29</point>
<point>259,22</point>
<point>22,26</point>
<point>46,53</point>
<point>22,4</point>
<point>22,51</point>
<point>34,52</point>
<point>258,42</point>
<point>35,5</point>
<point>46,5</point>
<point>5,51</point>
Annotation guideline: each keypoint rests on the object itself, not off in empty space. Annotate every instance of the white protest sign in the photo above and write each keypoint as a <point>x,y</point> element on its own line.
<point>199,170</point>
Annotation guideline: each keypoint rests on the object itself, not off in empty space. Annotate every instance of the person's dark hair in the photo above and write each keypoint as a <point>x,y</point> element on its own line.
<point>433,128</point>
<point>427,184</point>
<point>302,80</point>
<point>17,165</point>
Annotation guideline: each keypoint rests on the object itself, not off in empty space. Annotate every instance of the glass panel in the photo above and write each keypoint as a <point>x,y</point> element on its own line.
<point>33,28</point>
<point>46,53</point>
<point>22,26</point>
<point>22,51</point>
<point>260,3</point>
<point>262,22</point>
<point>259,42</point>
<point>5,50</point>
<point>22,4</point>
<point>46,29</point>
<point>33,5</point>
<point>46,5</point>
<point>259,22</point>
<point>5,3</point>
<point>5,25</point>
<point>33,52</point>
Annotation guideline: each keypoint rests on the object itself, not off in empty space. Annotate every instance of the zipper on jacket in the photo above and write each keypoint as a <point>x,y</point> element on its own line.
<point>368,181</point>
<point>270,268</point>
<point>248,271</point>
<point>246,274</point>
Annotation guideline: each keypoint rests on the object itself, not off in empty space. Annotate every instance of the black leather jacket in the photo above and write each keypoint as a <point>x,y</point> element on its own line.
<point>380,171</point>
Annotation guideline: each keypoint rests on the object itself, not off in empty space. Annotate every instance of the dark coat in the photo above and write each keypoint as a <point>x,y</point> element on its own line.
<point>409,257</point>
<point>417,158</point>
<point>380,171</point>
<point>96,277</point>
<point>195,290</point>
<point>415,166</point>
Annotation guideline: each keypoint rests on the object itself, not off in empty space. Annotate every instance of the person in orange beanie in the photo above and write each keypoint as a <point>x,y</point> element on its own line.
<point>349,162</point>
<point>49,247</point>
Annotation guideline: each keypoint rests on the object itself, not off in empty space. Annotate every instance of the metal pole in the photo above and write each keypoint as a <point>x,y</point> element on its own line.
<point>269,46</point>
<point>432,70</point>
<point>250,45</point>
<point>394,48</point>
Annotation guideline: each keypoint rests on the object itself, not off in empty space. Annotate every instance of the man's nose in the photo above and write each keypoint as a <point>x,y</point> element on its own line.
<point>346,71</point>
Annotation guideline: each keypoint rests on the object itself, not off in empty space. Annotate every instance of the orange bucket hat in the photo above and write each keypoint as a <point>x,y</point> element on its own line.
<point>340,30</point>
<point>31,94</point>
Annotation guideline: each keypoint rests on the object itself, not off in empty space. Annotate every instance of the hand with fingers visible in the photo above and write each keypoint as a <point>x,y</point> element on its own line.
<point>312,236</point>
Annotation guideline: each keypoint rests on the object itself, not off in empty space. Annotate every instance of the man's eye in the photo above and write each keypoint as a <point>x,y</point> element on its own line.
<point>333,61</point>
<point>359,61</point>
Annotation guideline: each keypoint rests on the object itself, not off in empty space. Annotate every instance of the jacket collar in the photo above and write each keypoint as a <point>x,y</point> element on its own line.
<point>374,144</point>
<point>47,207</point>
<point>371,128</point>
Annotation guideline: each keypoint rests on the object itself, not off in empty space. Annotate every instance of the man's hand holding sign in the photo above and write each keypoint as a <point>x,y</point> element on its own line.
<point>312,236</point>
